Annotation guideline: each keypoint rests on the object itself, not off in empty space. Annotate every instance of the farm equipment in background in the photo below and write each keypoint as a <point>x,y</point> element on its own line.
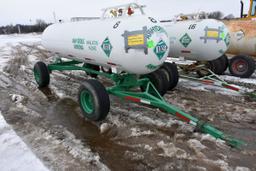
<point>242,44</point>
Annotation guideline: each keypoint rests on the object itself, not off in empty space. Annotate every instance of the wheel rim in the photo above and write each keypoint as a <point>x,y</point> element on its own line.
<point>240,66</point>
<point>86,100</point>
<point>37,75</point>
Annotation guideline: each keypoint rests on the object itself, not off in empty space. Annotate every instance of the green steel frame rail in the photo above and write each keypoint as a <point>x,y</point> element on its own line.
<point>123,88</point>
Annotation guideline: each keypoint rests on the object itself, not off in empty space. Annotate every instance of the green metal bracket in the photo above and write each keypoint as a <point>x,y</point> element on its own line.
<point>72,65</point>
<point>126,87</point>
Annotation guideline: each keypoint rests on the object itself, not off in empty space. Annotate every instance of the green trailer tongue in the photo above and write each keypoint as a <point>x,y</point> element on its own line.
<point>151,97</point>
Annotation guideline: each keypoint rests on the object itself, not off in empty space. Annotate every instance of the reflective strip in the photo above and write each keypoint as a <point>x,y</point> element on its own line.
<point>207,81</point>
<point>193,123</point>
<point>145,102</point>
<point>185,119</point>
<point>232,88</point>
<point>137,100</point>
<point>210,82</point>
<point>132,99</point>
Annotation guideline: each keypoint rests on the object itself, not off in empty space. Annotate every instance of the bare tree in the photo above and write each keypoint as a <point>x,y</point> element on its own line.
<point>215,15</point>
<point>40,22</point>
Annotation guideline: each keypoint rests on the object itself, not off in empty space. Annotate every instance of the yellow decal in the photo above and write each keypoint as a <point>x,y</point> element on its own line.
<point>136,40</point>
<point>213,34</point>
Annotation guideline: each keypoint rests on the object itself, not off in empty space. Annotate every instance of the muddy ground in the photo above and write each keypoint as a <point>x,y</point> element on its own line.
<point>133,136</point>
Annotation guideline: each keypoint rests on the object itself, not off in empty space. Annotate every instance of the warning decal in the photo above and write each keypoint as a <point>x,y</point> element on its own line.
<point>135,40</point>
<point>213,34</point>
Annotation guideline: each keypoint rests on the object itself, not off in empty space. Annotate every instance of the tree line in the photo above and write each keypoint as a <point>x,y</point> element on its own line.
<point>39,26</point>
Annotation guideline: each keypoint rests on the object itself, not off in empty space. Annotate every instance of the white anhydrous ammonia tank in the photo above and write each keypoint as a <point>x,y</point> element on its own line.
<point>133,44</point>
<point>202,40</point>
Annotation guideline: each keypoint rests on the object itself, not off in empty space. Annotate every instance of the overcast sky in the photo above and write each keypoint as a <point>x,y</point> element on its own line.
<point>27,11</point>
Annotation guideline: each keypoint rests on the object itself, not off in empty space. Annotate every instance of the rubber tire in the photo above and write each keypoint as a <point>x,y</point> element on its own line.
<point>165,80</point>
<point>94,67</point>
<point>225,62</point>
<point>101,100</point>
<point>218,66</point>
<point>44,76</point>
<point>250,66</point>
<point>173,74</point>
<point>159,80</point>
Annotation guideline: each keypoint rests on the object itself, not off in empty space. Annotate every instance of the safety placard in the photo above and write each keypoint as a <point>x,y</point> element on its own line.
<point>213,34</point>
<point>135,40</point>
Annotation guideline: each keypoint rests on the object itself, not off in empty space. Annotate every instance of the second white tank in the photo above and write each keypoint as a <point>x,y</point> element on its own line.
<point>202,40</point>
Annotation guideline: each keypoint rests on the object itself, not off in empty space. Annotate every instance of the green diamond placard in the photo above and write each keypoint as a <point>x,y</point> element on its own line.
<point>160,49</point>
<point>185,40</point>
<point>107,47</point>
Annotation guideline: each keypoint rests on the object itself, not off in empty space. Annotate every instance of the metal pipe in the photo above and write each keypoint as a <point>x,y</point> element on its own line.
<point>242,9</point>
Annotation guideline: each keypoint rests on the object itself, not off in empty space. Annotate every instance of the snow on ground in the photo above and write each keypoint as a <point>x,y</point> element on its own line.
<point>14,39</point>
<point>9,41</point>
<point>3,60</point>
<point>14,153</point>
